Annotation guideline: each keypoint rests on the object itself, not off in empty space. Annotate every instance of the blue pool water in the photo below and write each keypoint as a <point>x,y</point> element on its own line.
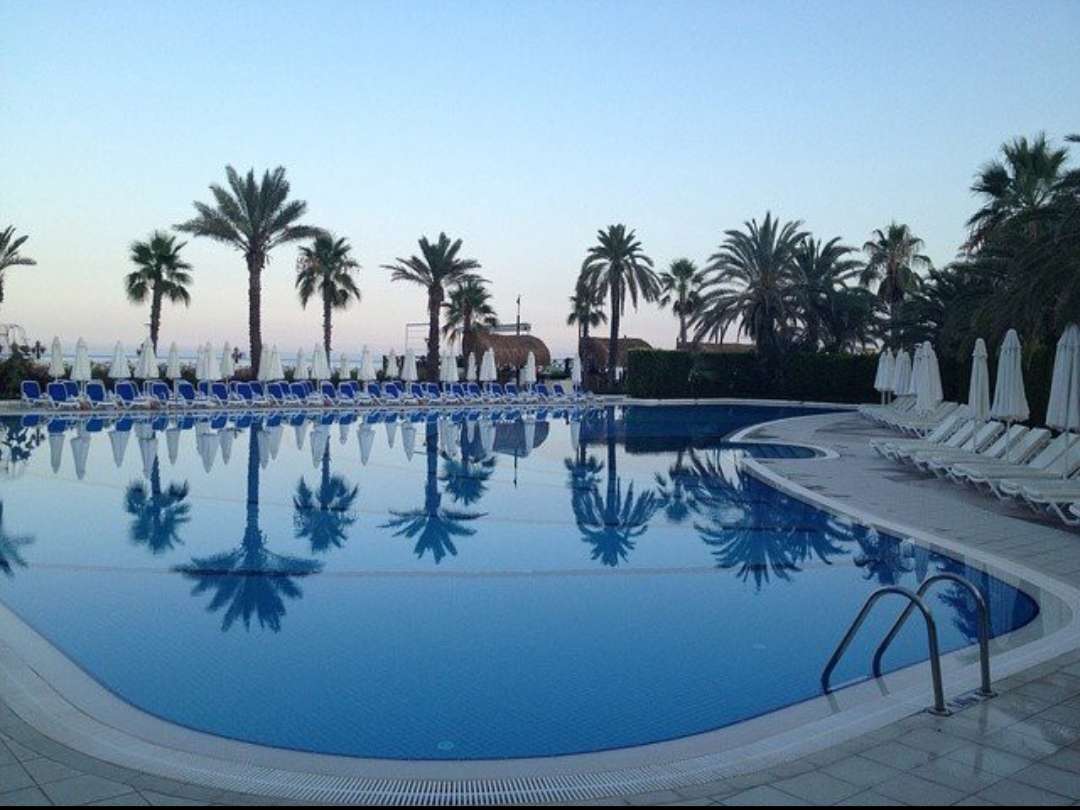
<point>448,588</point>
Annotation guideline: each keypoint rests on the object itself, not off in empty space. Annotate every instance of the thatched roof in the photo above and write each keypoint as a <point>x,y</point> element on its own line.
<point>594,351</point>
<point>511,350</point>
<point>716,348</point>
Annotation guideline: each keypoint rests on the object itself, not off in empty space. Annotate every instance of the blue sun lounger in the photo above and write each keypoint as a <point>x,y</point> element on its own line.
<point>128,396</point>
<point>30,392</point>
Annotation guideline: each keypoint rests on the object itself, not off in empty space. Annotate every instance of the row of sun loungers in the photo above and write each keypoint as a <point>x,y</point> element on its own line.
<point>1029,465</point>
<point>349,393</point>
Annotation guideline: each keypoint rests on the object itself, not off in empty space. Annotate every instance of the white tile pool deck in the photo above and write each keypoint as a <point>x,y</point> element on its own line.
<point>1022,747</point>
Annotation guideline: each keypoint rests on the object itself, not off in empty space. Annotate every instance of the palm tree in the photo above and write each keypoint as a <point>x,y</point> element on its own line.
<point>821,273</point>
<point>253,217</point>
<point>437,268</point>
<point>324,516</point>
<point>1018,189</point>
<point>751,278</point>
<point>617,266</point>
<point>680,287</point>
<point>469,311</point>
<point>895,258</point>
<point>586,312</point>
<point>158,513</point>
<point>326,267</point>
<point>432,525</point>
<point>162,276</point>
<point>10,256</point>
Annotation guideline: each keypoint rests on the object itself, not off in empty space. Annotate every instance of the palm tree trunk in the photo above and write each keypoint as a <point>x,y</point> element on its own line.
<point>326,325</point>
<point>155,318</point>
<point>1,287</point>
<point>435,296</point>
<point>255,262</point>
<point>613,346</point>
<point>682,329</point>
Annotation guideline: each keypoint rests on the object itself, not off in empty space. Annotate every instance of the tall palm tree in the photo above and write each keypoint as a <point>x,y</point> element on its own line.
<point>10,256</point>
<point>894,257</point>
<point>822,270</point>
<point>326,267</point>
<point>586,313</point>
<point>437,268</point>
<point>161,276</point>
<point>158,513</point>
<point>1018,189</point>
<point>680,288</point>
<point>253,217</point>
<point>751,281</point>
<point>469,311</point>
<point>324,516</point>
<point>617,266</point>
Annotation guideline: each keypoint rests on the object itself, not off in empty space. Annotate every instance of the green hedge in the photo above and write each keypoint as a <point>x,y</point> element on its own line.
<point>842,378</point>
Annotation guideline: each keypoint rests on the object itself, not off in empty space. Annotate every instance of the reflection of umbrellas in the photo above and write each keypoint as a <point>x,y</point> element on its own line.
<point>147,367</point>
<point>148,451</point>
<point>575,433</point>
<point>56,359</point>
<point>207,445</point>
<point>487,435</point>
<point>119,440</point>
<point>172,367</point>
<point>172,443</point>
<point>80,447</point>
<point>366,435</point>
<point>263,440</point>
<point>408,439</point>
<point>56,449</point>
<point>299,430</point>
<point>529,425</point>
<point>487,367</point>
<point>391,431</point>
<point>276,432</point>
<point>119,367</point>
<point>320,437</point>
<point>320,364</point>
<point>408,368</point>
<point>225,439</point>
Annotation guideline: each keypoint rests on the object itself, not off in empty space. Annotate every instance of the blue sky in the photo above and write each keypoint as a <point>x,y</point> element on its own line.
<point>520,127</point>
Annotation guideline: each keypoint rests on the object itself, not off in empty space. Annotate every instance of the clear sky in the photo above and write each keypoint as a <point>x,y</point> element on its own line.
<point>521,127</point>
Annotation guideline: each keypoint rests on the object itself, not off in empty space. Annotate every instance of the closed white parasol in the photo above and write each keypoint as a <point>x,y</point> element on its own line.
<point>979,384</point>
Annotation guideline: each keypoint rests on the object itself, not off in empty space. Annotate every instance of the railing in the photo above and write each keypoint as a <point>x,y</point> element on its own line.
<point>915,602</point>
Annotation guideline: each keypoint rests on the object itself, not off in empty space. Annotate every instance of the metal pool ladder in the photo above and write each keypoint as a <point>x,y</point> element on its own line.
<point>915,601</point>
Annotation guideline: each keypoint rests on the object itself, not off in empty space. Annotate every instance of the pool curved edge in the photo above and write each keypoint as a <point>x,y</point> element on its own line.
<point>49,692</point>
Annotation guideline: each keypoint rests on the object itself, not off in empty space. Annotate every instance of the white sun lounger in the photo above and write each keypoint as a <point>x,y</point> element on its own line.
<point>980,440</point>
<point>960,437</point>
<point>939,461</point>
<point>1050,462</point>
<point>889,447</point>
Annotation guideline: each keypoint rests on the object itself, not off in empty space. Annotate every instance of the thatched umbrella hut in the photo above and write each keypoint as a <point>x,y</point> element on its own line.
<point>511,350</point>
<point>595,352</point>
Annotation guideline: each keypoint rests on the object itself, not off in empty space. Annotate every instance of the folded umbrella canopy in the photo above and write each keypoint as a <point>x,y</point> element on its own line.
<point>408,439</point>
<point>301,371</point>
<point>883,379</point>
<point>470,368</point>
<point>366,438</point>
<point>901,373</point>
<point>119,366</point>
<point>320,363</point>
<point>276,371</point>
<point>172,365</point>
<point>1010,400</point>
<point>1063,409</point>
<point>575,372</point>
<point>408,367</point>
<point>917,363</point>
<point>488,373</point>
<point>344,367</point>
<point>80,369</point>
<point>979,384</point>
<point>367,367</point>
<point>228,367</point>
<point>56,360</point>
<point>528,374</point>
<point>147,367</point>
<point>392,370</point>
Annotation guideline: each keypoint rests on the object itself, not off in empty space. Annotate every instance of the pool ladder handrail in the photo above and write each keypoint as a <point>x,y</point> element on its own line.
<point>915,601</point>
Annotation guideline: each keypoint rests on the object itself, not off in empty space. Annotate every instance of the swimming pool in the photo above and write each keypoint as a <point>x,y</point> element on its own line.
<point>450,586</point>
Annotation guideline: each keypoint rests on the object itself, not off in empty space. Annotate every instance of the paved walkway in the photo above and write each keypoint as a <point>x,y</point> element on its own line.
<point>1022,747</point>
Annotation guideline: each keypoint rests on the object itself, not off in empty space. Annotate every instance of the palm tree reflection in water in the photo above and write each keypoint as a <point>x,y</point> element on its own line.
<point>433,526</point>
<point>324,516</point>
<point>158,514</point>
<point>250,581</point>
<point>10,544</point>
<point>612,520</point>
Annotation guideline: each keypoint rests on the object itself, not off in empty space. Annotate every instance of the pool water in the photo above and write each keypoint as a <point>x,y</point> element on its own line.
<point>450,586</point>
